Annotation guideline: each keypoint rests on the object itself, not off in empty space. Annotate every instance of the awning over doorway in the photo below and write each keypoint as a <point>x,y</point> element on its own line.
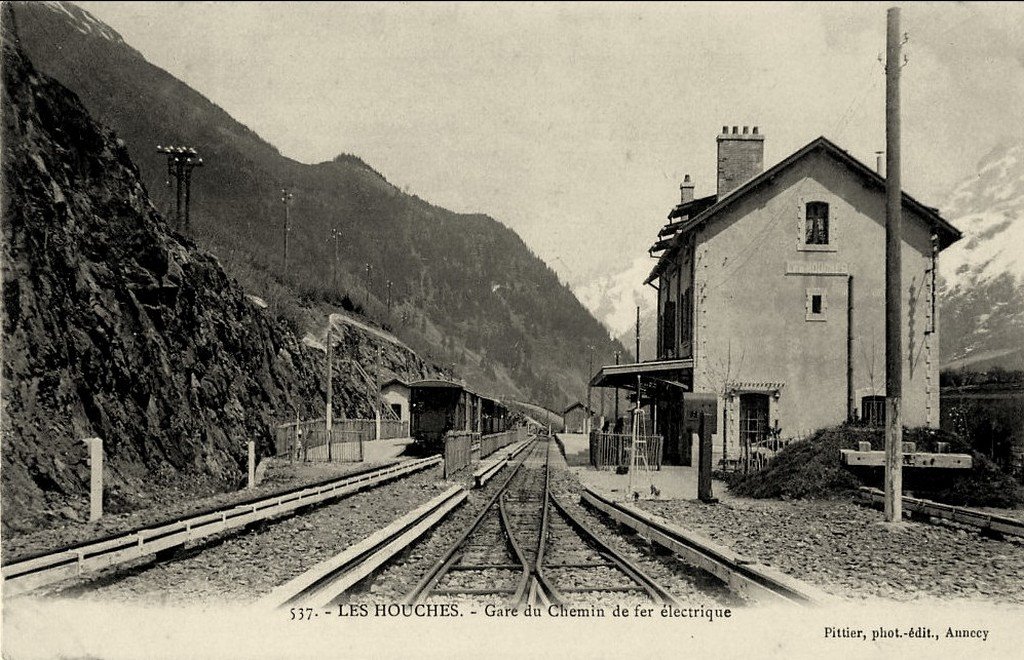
<point>624,376</point>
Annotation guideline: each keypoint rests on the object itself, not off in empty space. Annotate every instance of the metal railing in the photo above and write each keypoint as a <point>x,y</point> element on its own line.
<point>613,449</point>
<point>458,450</point>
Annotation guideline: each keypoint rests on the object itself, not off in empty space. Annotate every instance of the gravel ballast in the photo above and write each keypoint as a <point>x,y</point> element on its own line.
<point>244,566</point>
<point>281,475</point>
<point>848,550</point>
<point>687,584</point>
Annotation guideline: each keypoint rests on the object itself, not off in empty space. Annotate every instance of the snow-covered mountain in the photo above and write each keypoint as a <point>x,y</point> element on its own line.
<point>989,210</point>
<point>613,298</point>
<point>982,298</point>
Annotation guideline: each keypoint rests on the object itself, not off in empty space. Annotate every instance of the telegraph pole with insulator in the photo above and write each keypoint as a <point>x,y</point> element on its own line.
<point>590,373</point>
<point>893,276</point>
<point>286,199</point>
<point>366,297</point>
<point>638,334</point>
<point>180,163</point>
<point>335,234</point>
<point>616,391</point>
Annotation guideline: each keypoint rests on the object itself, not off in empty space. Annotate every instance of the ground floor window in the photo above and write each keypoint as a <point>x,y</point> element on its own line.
<point>753,418</point>
<point>397,409</point>
<point>873,410</point>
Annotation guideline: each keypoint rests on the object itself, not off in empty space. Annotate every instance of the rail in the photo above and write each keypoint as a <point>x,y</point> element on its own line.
<point>488,470</point>
<point>919,508</point>
<point>742,575</point>
<point>644,582</point>
<point>428,583</point>
<point>73,561</point>
<point>327,580</point>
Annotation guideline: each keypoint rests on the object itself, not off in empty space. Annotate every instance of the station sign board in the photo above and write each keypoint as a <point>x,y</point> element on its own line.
<point>694,403</point>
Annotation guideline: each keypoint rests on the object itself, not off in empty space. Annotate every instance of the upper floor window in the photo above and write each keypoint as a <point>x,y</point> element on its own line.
<point>816,224</point>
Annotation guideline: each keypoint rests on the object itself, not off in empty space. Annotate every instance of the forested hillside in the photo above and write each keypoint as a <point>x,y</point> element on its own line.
<point>465,292</point>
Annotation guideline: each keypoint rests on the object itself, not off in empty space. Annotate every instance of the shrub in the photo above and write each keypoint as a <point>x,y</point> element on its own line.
<point>813,469</point>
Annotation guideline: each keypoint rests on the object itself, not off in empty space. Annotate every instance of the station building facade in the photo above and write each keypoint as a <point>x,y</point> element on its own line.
<point>771,295</point>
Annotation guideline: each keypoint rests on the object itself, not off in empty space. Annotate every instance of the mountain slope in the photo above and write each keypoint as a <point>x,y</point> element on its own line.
<point>466,289</point>
<point>982,297</point>
<point>113,327</point>
<point>116,327</point>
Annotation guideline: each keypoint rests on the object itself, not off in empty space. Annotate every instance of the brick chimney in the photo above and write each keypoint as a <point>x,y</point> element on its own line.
<point>685,190</point>
<point>740,158</point>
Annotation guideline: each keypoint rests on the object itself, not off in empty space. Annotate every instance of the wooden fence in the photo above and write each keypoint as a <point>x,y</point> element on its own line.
<point>393,428</point>
<point>756,455</point>
<point>495,441</point>
<point>458,450</point>
<point>299,437</point>
<point>613,449</point>
<point>307,441</point>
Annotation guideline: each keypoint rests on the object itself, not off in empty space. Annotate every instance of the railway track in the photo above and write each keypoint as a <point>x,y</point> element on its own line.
<point>929,511</point>
<point>526,548</point>
<point>492,558</point>
<point>80,559</point>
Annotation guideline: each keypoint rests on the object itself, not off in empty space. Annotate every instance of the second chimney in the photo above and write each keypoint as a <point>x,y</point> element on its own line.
<point>740,158</point>
<point>686,190</point>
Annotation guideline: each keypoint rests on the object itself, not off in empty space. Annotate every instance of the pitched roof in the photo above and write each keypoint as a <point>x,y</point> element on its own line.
<point>574,406</point>
<point>948,234</point>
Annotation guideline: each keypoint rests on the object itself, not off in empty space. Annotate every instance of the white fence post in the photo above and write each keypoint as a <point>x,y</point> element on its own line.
<point>252,464</point>
<point>95,446</point>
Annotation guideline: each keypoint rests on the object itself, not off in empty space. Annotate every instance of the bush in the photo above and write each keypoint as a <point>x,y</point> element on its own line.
<point>812,469</point>
<point>983,485</point>
<point>290,314</point>
<point>808,469</point>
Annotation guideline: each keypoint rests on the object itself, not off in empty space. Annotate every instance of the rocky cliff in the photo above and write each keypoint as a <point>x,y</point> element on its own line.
<point>115,326</point>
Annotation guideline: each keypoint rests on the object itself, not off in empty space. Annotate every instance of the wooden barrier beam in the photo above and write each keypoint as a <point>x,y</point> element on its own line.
<point>917,459</point>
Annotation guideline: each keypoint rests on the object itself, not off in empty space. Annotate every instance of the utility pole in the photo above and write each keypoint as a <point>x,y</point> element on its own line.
<point>893,279</point>
<point>590,374</point>
<point>334,262</point>
<point>366,297</point>
<point>376,393</point>
<point>616,391</point>
<point>180,163</point>
<point>286,199</point>
<point>389,301</point>
<point>329,413</point>
<point>638,334</point>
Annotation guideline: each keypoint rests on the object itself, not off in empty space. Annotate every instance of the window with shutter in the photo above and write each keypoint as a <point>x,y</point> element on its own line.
<point>816,224</point>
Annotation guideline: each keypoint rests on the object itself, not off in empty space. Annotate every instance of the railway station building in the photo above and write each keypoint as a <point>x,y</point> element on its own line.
<point>395,394</point>
<point>578,418</point>
<point>771,296</point>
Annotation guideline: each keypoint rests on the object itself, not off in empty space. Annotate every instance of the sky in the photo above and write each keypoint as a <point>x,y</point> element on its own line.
<point>574,124</point>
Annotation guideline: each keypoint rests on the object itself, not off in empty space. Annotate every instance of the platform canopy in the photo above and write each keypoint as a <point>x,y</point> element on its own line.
<point>624,376</point>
